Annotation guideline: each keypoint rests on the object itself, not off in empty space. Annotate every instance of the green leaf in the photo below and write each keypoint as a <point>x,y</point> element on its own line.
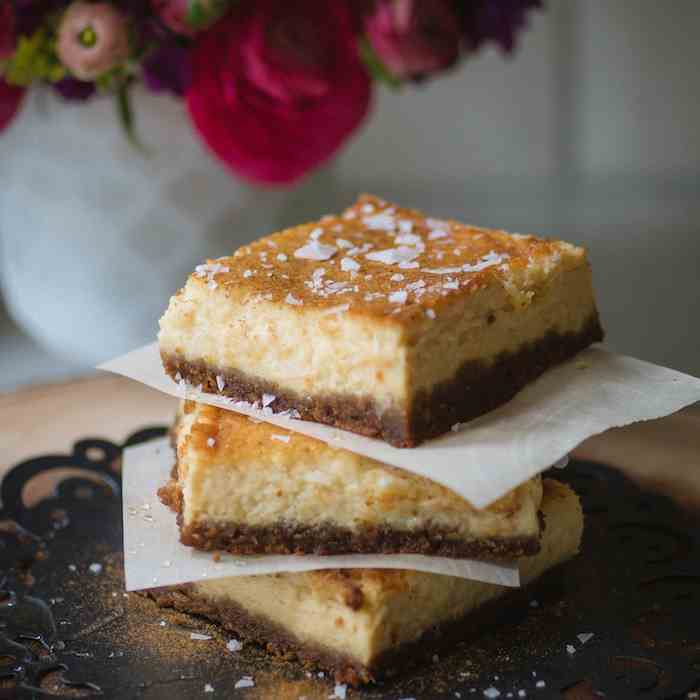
<point>375,66</point>
<point>203,13</point>
<point>34,59</point>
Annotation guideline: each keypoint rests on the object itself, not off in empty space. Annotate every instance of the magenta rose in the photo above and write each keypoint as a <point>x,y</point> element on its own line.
<point>278,87</point>
<point>10,100</point>
<point>414,38</point>
<point>7,30</point>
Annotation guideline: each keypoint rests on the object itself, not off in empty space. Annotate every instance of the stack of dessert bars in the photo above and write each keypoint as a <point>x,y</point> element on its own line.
<point>388,323</point>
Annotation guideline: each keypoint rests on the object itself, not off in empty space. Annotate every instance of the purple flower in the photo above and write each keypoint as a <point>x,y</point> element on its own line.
<point>495,20</point>
<point>167,69</point>
<point>72,89</point>
<point>31,14</point>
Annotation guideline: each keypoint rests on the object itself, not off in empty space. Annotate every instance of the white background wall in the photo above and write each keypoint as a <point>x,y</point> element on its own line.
<point>591,132</point>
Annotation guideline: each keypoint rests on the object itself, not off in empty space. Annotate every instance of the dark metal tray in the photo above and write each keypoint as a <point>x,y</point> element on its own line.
<point>67,627</point>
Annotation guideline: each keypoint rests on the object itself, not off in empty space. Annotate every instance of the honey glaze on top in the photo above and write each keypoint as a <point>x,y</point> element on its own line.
<point>381,260</point>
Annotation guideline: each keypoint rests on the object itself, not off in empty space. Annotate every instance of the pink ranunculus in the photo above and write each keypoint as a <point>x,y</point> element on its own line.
<point>278,87</point>
<point>92,39</point>
<point>174,14</point>
<point>7,30</point>
<point>10,100</point>
<point>414,38</point>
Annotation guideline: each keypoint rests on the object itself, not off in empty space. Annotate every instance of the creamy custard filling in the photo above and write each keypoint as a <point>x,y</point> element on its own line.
<point>315,610</point>
<point>314,352</point>
<point>288,602</point>
<point>306,482</point>
<point>500,323</point>
<point>304,352</point>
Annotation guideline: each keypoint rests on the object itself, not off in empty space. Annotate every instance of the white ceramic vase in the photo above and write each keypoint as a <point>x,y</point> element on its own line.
<point>96,235</point>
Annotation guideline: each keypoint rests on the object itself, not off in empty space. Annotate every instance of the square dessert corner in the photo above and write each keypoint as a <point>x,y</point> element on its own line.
<point>253,488</point>
<point>381,320</point>
<point>363,624</point>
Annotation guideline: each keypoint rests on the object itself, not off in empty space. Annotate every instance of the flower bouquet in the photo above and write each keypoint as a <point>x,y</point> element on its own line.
<point>273,88</point>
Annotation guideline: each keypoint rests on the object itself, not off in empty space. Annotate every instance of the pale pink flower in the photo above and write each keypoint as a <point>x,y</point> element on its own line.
<point>92,39</point>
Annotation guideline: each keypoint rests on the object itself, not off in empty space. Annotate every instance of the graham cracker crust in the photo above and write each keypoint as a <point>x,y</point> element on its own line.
<point>476,389</point>
<point>329,539</point>
<point>277,641</point>
<point>345,669</point>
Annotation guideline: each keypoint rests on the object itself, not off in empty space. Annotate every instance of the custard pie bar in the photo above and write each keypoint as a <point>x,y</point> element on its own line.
<point>250,488</point>
<point>364,623</point>
<point>381,320</point>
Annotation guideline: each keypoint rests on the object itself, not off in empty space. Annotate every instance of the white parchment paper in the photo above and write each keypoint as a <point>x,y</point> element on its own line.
<point>495,453</point>
<point>153,555</point>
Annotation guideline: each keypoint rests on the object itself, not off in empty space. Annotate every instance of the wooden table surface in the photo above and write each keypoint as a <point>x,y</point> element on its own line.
<point>662,454</point>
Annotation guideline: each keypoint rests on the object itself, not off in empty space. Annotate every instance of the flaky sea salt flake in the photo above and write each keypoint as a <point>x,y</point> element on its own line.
<point>348,264</point>
<point>380,222</point>
<point>585,637</point>
<point>245,682</point>
<point>392,256</point>
<point>291,299</point>
<point>442,270</point>
<point>340,691</point>
<point>200,637</point>
<point>409,239</point>
<point>492,692</point>
<point>439,224</point>
<point>234,645</point>
<point>209,269</point>
<point>315,251</point>
<point>280,438</point>
<point>398,297</point>
<point>489,260</point>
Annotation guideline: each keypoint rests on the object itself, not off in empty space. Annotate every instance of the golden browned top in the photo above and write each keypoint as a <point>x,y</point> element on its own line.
<point>218,435</point>
<point>381,259</point>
